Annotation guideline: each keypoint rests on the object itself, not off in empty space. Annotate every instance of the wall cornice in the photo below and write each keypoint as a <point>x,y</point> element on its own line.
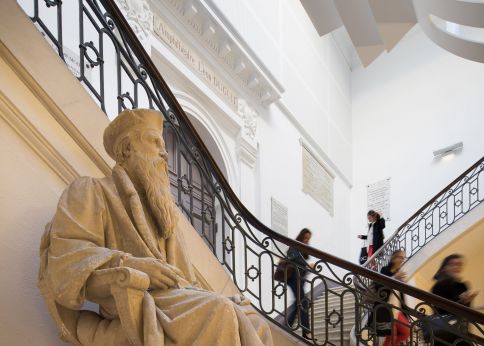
<point>222,45</point>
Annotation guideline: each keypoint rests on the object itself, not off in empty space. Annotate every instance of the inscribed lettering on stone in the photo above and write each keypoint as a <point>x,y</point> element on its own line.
<point>317,181</point>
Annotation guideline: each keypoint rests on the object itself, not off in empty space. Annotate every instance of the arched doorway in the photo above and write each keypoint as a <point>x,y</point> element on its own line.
<point>193,190</point>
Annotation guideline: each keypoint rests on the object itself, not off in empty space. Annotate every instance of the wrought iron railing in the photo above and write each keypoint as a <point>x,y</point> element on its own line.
<point>118,73</point>
<point>456,200</point>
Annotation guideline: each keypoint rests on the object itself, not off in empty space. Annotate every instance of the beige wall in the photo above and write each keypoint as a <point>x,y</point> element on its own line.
<point>47,131</point>
<point>38,159</point>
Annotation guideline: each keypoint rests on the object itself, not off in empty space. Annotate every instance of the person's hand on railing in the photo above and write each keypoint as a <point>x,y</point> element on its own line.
<point>400,276</point>
<point>467,297</point>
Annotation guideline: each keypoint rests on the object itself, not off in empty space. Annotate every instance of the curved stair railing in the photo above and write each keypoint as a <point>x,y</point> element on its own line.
<point>118,73</point>
<point>456,200</point>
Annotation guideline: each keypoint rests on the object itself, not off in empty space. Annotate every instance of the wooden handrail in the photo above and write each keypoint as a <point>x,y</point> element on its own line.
<point>150,67</point>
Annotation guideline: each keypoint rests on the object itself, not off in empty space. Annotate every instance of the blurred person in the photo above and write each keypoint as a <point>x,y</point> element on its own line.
<point>401,329</point>
<point>296,282</point>
<point>449,285</point>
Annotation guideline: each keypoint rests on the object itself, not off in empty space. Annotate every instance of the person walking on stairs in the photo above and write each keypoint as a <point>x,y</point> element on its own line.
<point>296,283</point>
<point>374,238</point>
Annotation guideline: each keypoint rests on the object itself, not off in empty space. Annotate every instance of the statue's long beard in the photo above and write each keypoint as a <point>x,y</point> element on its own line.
<point>150,175</point>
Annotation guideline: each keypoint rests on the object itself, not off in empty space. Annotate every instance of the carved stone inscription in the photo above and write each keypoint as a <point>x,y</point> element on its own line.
<point>195,62</point>
<point>317,182</point>
<point>279,217</point>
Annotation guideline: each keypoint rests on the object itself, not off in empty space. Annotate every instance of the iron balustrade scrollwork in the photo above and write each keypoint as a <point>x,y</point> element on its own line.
<point>457,199</point>
<point>118,73</point>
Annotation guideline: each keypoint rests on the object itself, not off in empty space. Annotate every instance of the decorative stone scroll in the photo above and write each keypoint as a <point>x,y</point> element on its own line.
<point>317,181</point>
<point>249,115</point>
<point>140,17</point>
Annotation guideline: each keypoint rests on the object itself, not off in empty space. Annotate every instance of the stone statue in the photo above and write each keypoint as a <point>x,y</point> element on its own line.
<point>116,241</point>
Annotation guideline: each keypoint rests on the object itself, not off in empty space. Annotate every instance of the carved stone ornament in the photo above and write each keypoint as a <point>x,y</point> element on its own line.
<point>249,115</point>
<point>137,267</point>
<point>140,17</point>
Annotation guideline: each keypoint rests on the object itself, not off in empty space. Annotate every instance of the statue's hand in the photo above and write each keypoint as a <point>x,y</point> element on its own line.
<point>176,270</point>
<point>162,275</point>
<point>240,300</point>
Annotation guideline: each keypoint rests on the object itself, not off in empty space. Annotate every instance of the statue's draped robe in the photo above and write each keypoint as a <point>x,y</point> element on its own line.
<point>98,222</point>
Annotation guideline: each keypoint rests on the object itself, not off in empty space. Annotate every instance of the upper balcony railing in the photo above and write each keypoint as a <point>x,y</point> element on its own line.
<point>456,200</point>
<point>118,73</point>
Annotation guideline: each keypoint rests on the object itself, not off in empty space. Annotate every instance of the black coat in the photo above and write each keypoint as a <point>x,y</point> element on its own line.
<point>449,288</point>
<point>378,238</point>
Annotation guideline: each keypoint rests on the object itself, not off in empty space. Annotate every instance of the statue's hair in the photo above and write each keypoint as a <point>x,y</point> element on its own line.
<point>123,144</point>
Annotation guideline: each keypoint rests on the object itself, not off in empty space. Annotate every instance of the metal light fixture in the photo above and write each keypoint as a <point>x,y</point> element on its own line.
<point>448,150</point>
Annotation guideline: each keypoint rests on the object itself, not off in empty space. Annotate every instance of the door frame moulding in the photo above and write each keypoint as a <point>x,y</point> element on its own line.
<point>193,108</point>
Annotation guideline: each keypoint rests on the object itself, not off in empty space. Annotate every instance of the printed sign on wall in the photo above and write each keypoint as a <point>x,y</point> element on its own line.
<point>378,197</point>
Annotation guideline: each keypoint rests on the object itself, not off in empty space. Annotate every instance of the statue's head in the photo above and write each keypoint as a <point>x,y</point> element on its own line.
<point>134,140</point>
<point>132,127</point>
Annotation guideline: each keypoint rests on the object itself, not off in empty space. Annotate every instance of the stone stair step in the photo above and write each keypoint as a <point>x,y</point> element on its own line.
<point>333,305</point>
<point>334,334</point>
<point>320,323</point>
<point>334,300</point>
<point>322,309</point>
<point>336,297</point>
<point>346,306</point>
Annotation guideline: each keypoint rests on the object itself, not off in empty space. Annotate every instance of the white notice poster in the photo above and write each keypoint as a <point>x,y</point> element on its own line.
<point>378,197</point>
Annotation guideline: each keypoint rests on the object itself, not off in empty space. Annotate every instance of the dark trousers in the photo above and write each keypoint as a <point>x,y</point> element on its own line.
<point>301,304</point>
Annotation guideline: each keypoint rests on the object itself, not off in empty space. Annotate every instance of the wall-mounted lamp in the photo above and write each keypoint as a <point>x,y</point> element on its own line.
<point>451,149</point>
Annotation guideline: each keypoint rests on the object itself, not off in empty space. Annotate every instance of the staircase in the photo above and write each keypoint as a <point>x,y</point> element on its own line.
<point>337,303</point>
<point>451,204</point>
<point>247,249</point>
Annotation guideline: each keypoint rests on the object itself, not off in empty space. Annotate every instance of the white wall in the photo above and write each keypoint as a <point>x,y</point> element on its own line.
<point>407,103</point>
<point>315,106</point>
<point>311,69</point>
<point>281,176</point>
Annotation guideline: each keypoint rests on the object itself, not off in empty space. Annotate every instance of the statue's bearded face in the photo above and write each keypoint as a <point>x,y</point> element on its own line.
<point>146,164</point>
